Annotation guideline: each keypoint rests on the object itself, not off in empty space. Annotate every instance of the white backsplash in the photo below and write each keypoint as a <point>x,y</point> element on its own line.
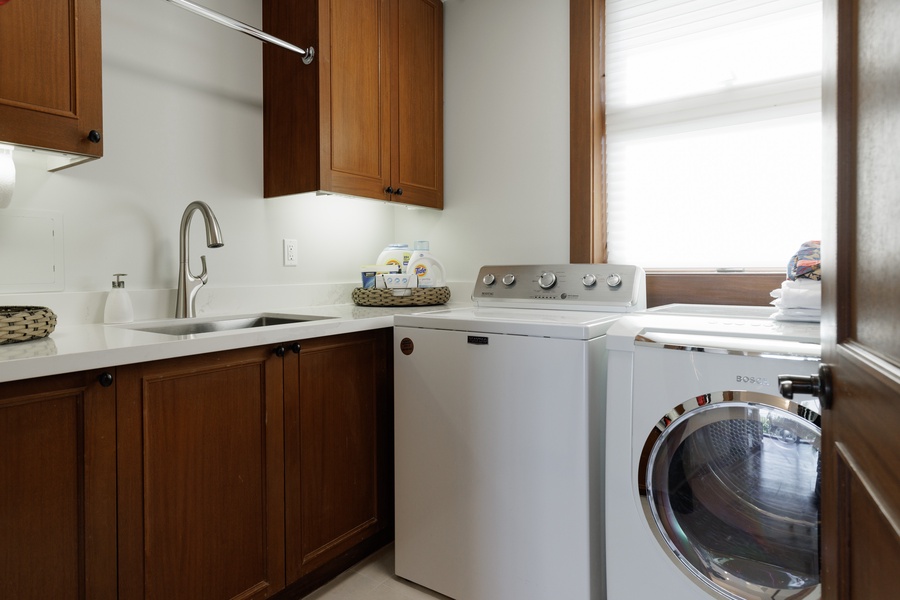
<point>79,308</point>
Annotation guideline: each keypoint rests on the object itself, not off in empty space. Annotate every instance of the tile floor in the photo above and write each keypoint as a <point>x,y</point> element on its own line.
<point>373,579</point>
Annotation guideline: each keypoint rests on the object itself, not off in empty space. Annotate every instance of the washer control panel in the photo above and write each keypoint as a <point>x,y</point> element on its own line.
<point>600,287</point>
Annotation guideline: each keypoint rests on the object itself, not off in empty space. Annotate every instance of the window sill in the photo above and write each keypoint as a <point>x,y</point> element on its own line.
<point>748,289</point>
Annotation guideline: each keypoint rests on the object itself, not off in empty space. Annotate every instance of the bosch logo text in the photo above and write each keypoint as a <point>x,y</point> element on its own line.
<point>752,380</point>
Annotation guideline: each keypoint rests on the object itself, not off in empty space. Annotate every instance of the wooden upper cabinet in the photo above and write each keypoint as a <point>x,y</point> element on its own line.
<point>50,83</point>
<point>365,118</point>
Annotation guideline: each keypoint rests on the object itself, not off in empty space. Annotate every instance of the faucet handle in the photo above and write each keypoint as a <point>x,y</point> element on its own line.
<point>203,276</point>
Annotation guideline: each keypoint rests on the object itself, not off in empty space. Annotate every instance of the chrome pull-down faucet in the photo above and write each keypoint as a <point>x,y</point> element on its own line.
<point>188,283</point>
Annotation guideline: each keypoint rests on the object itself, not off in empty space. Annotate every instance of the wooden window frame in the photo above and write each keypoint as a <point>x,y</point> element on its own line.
<point>587,171</point>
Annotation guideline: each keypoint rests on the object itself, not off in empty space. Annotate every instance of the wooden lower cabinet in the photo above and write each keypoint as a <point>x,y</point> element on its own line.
<point>338,448</point>
<point>58,488</point>
<point>201,477</point>
<point>236,475</point>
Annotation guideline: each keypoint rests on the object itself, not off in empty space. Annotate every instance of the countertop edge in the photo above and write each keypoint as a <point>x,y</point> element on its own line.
<point>88,347</point>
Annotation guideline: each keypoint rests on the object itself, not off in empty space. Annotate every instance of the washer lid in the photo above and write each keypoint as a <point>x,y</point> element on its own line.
<point>561,324</point>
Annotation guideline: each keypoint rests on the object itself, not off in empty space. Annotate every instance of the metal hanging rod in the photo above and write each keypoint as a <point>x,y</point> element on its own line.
<point>308,53</point>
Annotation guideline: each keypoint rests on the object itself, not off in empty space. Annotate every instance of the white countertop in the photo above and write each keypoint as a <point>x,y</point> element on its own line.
<point>73,348</point>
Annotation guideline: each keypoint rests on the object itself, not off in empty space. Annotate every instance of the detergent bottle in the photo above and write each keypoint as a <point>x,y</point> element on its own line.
<point>425,266</point>
<point>395,254</point>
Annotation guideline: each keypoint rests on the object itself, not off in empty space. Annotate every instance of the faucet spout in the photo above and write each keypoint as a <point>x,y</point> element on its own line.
<point>188,283</point>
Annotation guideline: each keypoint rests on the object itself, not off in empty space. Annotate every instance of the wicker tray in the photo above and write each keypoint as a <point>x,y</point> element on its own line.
<point>23,323</point>
<point>387,297</point>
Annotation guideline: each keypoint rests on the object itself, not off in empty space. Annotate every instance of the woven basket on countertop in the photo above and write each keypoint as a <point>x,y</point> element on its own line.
<point>23,323</point>
<point>388,297</point>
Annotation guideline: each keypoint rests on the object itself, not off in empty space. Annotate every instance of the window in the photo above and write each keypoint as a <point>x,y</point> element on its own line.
<point>713,112</point>
<point>746,113</point>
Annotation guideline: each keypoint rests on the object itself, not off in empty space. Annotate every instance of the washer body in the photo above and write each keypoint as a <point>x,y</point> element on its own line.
<point>499,422</point>
<point>711,478</point>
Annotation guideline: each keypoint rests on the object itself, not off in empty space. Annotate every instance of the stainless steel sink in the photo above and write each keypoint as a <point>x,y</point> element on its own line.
<point>215,324</point>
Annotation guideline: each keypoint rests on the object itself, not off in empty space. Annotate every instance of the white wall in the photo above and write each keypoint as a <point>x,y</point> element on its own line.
<point>506,137</point>
<point>183,122</point>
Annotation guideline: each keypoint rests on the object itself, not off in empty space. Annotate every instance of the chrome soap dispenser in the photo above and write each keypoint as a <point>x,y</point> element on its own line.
<point>118,303</point>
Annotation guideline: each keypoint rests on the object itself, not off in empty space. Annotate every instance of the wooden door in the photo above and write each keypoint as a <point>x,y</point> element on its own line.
<point>50,83</point>
<point>201,477</point>
<point>417,122</point>
<point>338,447</point>
<point>861,312</point>
<point>58,488</point>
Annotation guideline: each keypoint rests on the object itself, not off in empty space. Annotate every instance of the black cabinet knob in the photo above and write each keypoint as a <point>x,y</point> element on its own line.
<point>105,379</point>
<point>295,347</point>
<point>94,136</point>
<point>388,190</point>
<point>399,191</point>
<point>279,351</point>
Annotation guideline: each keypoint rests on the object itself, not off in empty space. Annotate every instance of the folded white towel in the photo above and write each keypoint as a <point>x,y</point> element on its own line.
<point>798,314</point>
<point>800,293</point>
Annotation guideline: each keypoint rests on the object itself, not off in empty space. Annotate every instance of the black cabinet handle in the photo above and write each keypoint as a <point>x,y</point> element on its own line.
<point>105,379</point>
<point>295,347</point>
<point>94,136</point>
<point>388,190</point>
<point>399,191</point>
<point>279,351</point>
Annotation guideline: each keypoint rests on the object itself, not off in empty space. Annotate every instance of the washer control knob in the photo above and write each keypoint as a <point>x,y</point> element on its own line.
<point>589,280</point>
<point>613,280</point>
<point>489,279</point>
<point>508,279</point>
<point>547,280</point>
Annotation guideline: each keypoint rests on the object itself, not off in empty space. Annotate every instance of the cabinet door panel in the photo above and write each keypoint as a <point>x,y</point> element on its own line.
<point>38,79</point>
<point>50,90</point>
<point>418,82</point>
<point>335,458</point>
<point>57,489</point>
<point>355,96</point>
<point>356,88</point>
<point>202,439</point>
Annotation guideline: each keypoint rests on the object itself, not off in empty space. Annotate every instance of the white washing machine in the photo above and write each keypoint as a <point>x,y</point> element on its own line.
<point>498,426</point>
<point>712,478</point>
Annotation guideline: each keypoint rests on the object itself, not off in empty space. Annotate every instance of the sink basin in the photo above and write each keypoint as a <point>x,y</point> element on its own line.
<point>215,324</point>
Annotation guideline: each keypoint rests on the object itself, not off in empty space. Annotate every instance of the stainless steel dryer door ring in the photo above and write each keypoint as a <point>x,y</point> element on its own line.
<point>732,485</point>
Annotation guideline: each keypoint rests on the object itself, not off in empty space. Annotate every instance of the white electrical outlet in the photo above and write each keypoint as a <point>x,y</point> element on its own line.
<point>290,253</point>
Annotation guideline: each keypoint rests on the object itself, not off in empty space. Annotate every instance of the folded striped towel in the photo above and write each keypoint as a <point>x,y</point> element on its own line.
<point>807,262</point>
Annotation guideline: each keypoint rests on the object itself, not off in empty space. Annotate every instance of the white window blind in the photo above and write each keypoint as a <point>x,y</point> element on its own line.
<point>713,113</point>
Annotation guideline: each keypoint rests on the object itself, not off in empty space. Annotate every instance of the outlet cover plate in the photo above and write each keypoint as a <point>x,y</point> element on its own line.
<point>290,253</point>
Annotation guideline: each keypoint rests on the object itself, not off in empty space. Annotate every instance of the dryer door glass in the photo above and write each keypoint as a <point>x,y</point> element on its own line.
<point>733,487</point>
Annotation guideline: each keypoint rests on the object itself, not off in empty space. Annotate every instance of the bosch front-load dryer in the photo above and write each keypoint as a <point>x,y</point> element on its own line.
<point>712,477</point>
